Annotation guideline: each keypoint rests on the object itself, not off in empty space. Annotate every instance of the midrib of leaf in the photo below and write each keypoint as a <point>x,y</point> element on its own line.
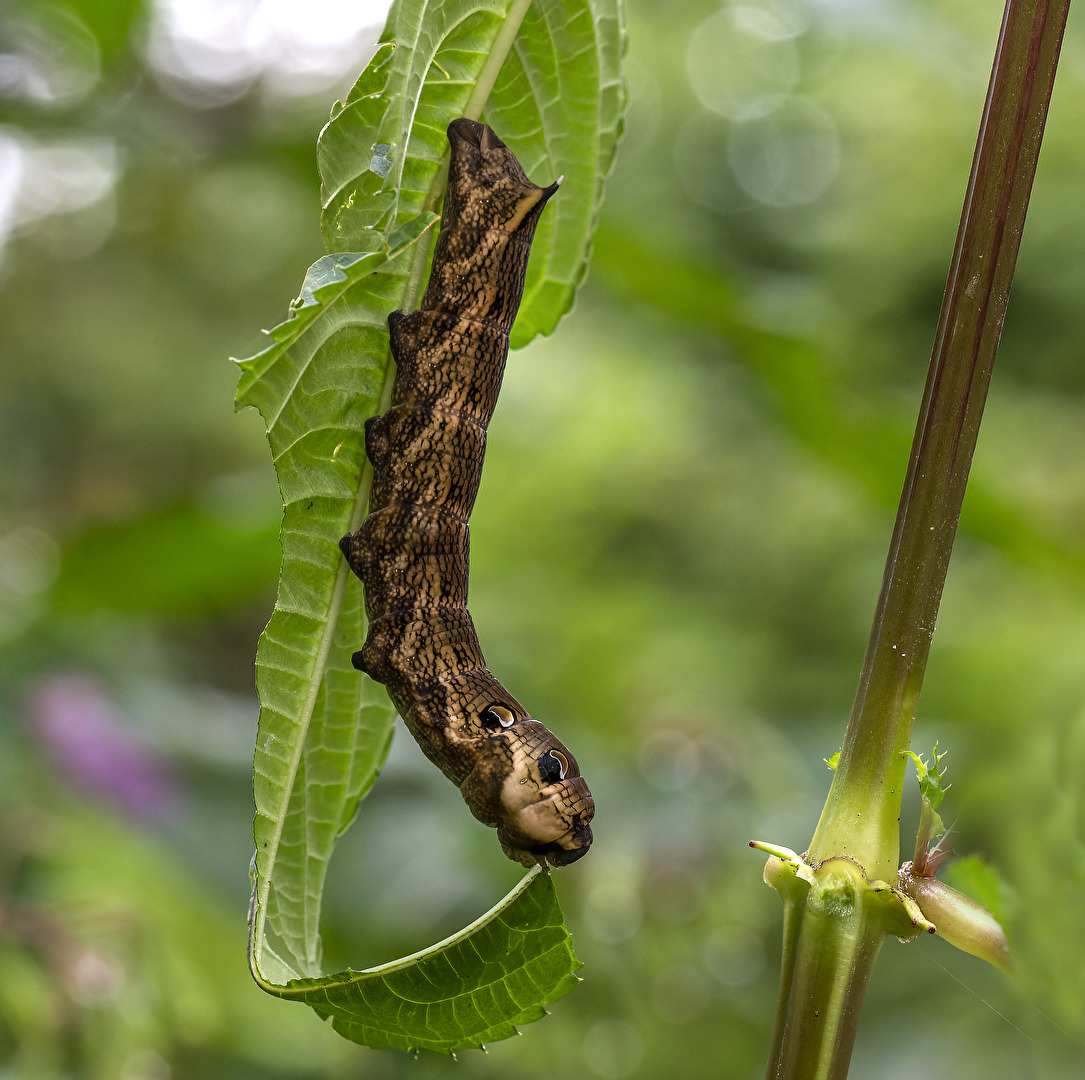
<point>299,745</point>
<point>492,68</point>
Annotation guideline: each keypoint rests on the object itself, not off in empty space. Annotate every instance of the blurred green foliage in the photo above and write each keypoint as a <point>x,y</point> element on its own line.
<point>688,494</point>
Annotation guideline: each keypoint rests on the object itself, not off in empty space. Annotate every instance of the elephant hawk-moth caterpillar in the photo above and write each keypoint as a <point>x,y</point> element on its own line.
<point>411,552</point>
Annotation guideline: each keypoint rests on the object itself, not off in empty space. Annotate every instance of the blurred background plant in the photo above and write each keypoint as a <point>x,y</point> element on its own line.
<point>679,540</point>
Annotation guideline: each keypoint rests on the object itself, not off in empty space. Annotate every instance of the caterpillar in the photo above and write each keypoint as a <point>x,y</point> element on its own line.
<point>412,551</point>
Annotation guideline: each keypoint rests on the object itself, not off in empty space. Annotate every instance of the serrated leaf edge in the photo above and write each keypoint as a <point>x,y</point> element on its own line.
<point>406,236</point>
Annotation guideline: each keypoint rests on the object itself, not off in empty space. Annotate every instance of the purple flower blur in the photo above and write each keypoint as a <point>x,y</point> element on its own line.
<point>89,741</point>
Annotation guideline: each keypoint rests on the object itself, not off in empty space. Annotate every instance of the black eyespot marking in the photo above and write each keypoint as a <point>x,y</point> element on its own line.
<point>553,767</point>
<point>497,717</point>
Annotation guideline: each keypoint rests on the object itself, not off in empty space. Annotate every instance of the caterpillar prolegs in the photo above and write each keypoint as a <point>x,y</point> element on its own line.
<point>412,551</point>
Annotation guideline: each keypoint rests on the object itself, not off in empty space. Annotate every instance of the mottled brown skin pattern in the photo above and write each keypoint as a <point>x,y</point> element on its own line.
<point>412,550</point>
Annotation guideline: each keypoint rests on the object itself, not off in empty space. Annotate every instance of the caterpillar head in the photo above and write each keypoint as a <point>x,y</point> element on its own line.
<point>538,799</point>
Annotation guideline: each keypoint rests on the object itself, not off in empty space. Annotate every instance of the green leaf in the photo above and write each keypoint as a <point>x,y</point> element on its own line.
<point>324,729</point>
<point>475,987</point>
<point>930,776</point>
<point>562,118</point>
<point>557,102</point>
<point>928,854</point>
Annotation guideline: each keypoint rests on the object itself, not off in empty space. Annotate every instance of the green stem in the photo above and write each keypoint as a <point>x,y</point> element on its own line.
<point>820,1002</point>
<point>861,815</point>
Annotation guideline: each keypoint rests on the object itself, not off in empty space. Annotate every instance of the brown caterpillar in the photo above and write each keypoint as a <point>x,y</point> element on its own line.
<point>411,552</point>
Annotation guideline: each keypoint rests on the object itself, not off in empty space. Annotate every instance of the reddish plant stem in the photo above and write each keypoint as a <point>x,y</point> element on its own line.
<point>833,928</point>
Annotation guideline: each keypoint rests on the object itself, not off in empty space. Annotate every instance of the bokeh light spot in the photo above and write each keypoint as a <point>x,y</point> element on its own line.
<point>209,52</point>
<point>612,1049</point>
<point>743,53</point>
<point>786,156</point>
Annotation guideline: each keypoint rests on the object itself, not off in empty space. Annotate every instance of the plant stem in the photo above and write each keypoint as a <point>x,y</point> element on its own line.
<point>860,818</point>
<point>832,937</point>
<point>833,927</point>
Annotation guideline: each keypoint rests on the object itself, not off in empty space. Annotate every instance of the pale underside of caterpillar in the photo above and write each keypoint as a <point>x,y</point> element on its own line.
<point>412,551</point>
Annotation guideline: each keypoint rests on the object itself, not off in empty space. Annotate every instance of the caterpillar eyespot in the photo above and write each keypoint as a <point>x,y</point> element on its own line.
<point>553,766</point>
<point>497,717</point>
<point>412,551</point>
